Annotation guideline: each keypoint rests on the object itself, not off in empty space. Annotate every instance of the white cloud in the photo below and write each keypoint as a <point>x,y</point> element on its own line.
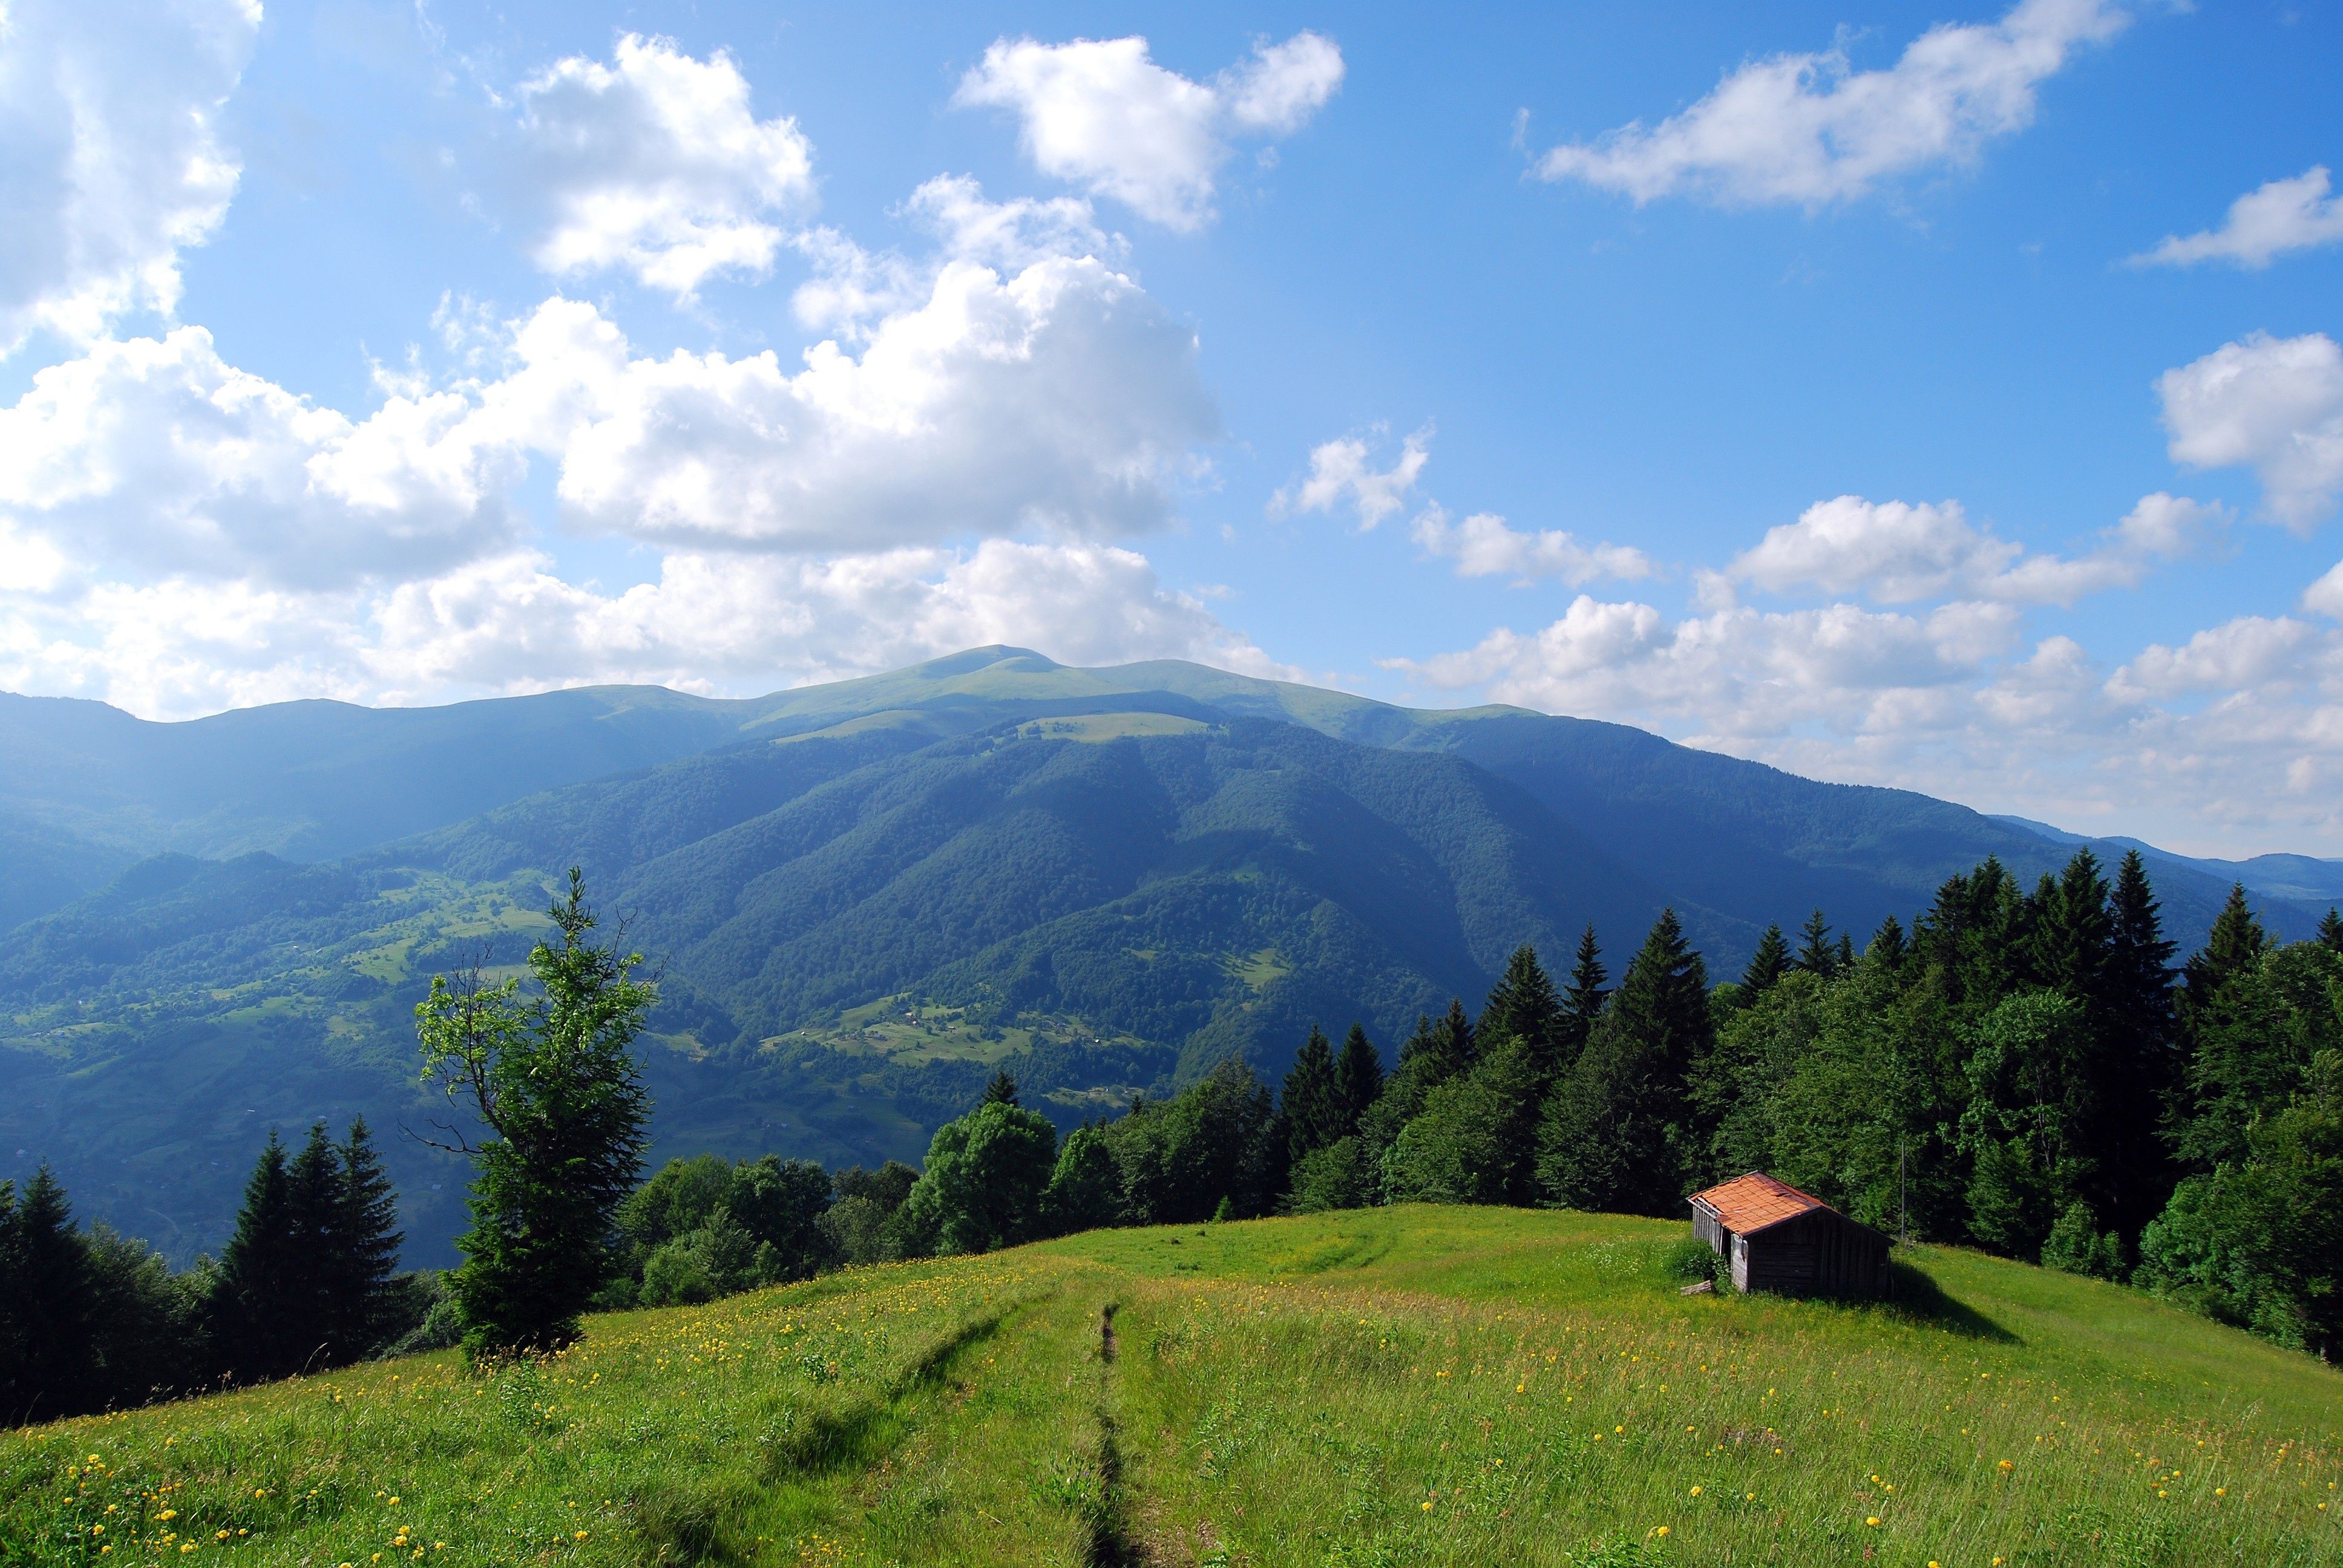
<point>111,158</point>
<point>2263,225</point>
<point>1483,546</point>
<point>2273,403</point>
<point>508,622</point>
<point>655,165</point>
<point>1343,471</point>
<point>1894,552</point>
<point>155,457</point>
<point>1808,130</point>
<point>2325,596</point>
<point>1735,671</point>
<point>2229,741</point>
<point>1100,113</point>
<point>1063,400</point>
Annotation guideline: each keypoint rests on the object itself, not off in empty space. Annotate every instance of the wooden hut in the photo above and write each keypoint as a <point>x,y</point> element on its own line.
<point>1780,1239</point>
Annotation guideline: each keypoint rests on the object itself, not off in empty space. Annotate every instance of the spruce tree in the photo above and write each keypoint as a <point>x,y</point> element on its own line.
<point>1525,1005</point>
<point>2330,930</point>
<point>313,1223</point>
<point>1888,946</point>
<point>1767,965</point>
<point>1310,1106</point>
<point>366,1241</point>
<point>1454,1045</point>
<point>1844,959</point>
<point>556,1084</point>
<point>258,1318</point>
<point>1618,1134</point>
<point>1001,1090</point>
<point>2137,1065</point>
<point>1358,1076</point>
<point>1816,956</point>
<point>1581,1002</point>
<point>2072,930</point>
<point>48,1310</point>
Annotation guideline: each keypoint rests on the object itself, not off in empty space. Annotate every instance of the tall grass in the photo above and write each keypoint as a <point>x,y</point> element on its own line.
<point>1402,1386</point>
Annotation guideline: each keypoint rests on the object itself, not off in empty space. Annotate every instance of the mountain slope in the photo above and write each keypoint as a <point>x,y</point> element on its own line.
<point>1106,879</point>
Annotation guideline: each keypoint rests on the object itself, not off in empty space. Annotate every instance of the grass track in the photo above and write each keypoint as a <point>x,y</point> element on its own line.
<point>1399,1386</point>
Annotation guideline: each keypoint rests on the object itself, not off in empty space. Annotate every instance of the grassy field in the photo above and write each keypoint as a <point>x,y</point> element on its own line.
<point>1402,1386</point>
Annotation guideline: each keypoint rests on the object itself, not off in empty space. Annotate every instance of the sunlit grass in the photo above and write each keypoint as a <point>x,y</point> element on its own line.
<point>1405,1386</point>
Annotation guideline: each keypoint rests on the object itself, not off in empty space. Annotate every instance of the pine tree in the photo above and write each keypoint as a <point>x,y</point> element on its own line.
<point>1310,1106</point>
<point>1001,1090</point>
<point>1815,954</point>
<point>1358,1076</point>
<point>48,1308</point>
<point>1454,1046</point>
<point>256,1315</point>
<point>1525,1005</point>
<point>1581,1003</point>
<point>2330,930</point>
<point>2137,1065</point>
<point>1767,965</point>
<point>313,1223</point>
<point>366,1241</point>
<point>1617,1133</point>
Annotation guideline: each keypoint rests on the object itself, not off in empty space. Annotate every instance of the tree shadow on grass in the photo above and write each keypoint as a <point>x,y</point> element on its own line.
<point>1916,1298</point>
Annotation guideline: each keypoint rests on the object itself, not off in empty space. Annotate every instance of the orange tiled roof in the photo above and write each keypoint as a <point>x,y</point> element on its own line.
<point>1753,1201</point>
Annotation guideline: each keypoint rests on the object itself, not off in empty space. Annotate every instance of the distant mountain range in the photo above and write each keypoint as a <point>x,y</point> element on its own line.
<point>863,896</point>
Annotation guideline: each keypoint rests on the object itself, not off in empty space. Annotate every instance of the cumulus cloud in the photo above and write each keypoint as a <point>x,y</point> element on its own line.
<point>1483,545</point>
<point>155,455</point>
<point>1342,472</point>
<point>111,157</point>
<point>1809,130</point>
<point>1894,552</point>
<point>2230,739</point>
<point>654,165</point>
<point>2271,403</point>
<point>1101,113</point>
<point>2281,216</point>
<point>509,622</point>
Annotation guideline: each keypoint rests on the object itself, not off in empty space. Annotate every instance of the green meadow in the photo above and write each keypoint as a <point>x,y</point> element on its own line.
<point>1405,1386</point>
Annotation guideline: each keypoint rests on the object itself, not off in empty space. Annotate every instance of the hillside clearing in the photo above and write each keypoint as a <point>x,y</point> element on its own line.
<point>1412,1385</point>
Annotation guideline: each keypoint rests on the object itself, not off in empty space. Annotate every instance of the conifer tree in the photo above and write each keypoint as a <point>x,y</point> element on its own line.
<point>1450,1047</point>
<point>556,1084</point>
<point>1358,1076</point>
<point>2234,1064</point>
<point>47,1305</point>
<point>1581,1002</point>
<point>1525,1005</point>
<point>1310,1106</point>
<point>366,1241</point>
<point>1815,954</point>
<point>2138,1066</point>
<point>2072,930</point>
<point>1888,946</point>
<point>1001,1090</point>
<point>258,1312</point>
<point>1767,965</point>
<point>1844,959</point>
<point>313,1217</point>
<point>1617,1133</point>
<point>2330,930</point>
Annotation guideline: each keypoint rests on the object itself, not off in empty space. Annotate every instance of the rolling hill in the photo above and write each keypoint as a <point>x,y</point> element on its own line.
<point>861,897</point>
<point>1404,1385</point>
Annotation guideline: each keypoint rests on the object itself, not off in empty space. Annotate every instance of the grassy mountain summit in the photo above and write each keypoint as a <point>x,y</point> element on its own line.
<point>1395,1386</point>
<point>862,896</point>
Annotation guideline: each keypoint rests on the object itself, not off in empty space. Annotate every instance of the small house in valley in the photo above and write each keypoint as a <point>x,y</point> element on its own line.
<point>1777,1238</point>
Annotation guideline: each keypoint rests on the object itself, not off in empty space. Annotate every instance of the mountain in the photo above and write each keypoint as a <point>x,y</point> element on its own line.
<point>860,897</point>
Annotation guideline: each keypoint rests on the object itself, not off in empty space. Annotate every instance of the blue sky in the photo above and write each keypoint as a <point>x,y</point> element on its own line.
<point>1893,395</point>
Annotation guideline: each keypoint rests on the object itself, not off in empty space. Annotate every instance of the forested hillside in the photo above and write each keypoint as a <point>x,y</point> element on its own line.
<point>1106,879</point>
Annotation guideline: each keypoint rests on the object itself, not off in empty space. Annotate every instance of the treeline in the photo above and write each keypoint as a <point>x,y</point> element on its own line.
<point>93,1320</point>
<point>2020,1070</point>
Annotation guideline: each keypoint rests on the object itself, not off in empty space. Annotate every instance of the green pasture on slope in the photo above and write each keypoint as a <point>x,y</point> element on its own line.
<point>1414,1385</point>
